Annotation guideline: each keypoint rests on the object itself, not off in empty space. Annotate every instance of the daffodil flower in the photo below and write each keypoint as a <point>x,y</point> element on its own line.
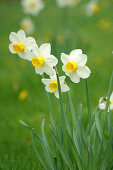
<point>102,103</point>
<point>75,65</point>
<point>27,25</point>
<point>32,6</point>
<point>21,45</point>
<point>51,85</point>
<point>92,7</point>
<point>67,3</point>
<point>42,59</point>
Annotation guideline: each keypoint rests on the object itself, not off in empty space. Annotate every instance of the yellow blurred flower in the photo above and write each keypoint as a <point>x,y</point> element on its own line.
<point>104,23</point>
<point>60,39</point>
<point>23,95</point>
<point>98,62</point>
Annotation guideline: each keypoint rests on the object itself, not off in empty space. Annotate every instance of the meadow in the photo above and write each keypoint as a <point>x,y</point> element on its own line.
<point>90,34</point>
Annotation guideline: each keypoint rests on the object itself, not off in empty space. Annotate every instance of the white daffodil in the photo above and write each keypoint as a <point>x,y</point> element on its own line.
<point>42,59</point>
<point>75,65</point>
<point>92,7</point>
<point>21,45</point>
<point>32,6</point>
<point>27,25</point>
<point>102,103</point>
<point>51,85</point>
<point>67,3</point>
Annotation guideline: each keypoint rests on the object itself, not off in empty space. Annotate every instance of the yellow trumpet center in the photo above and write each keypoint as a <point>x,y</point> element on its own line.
<point>25,26</point>
<point>18,47</point>
<point>75,0</point>
<point>71,66</point>
<point>111,102</point>
<point>38,61</point>
<point>32,4</point>
<point>95,8</point>
<point>53,86</point>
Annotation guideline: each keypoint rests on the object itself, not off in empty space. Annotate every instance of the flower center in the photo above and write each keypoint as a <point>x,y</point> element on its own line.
<point>18,47</point>
<point>25,26</point>
<point>32,4</point>
<point>111,102</point>
<point>53,86</point>
<point>71,66</point>
<point>95,8</point>
<point>38,61</point>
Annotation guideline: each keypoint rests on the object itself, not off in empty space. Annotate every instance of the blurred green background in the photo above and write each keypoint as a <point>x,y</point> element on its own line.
<point>94,35</point>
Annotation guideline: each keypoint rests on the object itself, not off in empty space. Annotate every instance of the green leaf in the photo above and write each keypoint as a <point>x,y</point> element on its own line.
<point>98,125</point>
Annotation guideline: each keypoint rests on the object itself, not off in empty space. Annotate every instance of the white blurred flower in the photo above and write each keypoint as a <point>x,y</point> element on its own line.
<point>42,59</point>
<point>75,65</point>
<point>27,25</point>
<point>51,85</point>
<point>66,3</point>
<point>21,45</point>
<point>92,7</point>
<point>102,103</point>
<point>32,6</point>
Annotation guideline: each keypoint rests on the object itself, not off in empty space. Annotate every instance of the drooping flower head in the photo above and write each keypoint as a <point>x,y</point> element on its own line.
<point>32,7</point>
<point>42,59</point>
<point>51,85</point>
<point>67,3</point>
<point>92,7</point>
<point>21,45</point>
<point>75,65</point>
<point>27,25</point>
<point>102,103</point>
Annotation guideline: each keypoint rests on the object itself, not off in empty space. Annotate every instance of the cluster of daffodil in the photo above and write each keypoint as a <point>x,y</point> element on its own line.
<point>74,64</point>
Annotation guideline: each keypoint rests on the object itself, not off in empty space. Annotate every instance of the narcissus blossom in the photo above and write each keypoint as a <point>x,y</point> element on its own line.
<point>75,65</point>
<point>51,85</point>
<point>66,3</point>
<point>32,6</point>
<point>42,59</point>
<point>92,7</point>
<point>27,25</point>
<point>21,45</point>
<point>102,103</point>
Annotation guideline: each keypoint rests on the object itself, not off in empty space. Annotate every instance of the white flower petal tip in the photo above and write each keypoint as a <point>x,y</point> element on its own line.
<point>21,45</point>
<point>43,61</point>
<point>32,7</point>
<point>75,65</point>
<point>51,85</point>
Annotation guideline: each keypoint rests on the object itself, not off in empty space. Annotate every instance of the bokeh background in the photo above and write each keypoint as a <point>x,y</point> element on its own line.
<point>22,95</point>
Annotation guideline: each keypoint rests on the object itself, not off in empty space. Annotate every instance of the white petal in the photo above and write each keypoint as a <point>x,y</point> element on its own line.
<point>11,48</point>
<point>45,49</point>
<point>36,50</point>
<point>13,37</point>
<point>74,77</point>
<point>39,70</point>
<point>30,42</point>
<point>56,94</point>
<point>111,97</point>
<point>21,35</point>
<point>48,89</point>
<point>80,59</point>
<point>83,72</point>
<point>48,70</point>
<point>102,106</point>
<point>111,107</point>
<point>76,52</point>
<point>51,60</point>
<point>64,58</point>
<point>26,54</point>
<point>65,88</point>
<point>46,81</point>
<point>64,69</point>
<point>62,79</point>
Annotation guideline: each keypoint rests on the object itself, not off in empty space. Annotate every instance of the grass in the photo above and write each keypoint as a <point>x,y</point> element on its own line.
<point>15,141</point>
